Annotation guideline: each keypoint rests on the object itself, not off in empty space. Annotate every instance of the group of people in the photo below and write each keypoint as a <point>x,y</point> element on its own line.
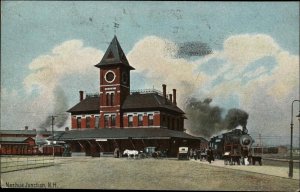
<point>202,154</point>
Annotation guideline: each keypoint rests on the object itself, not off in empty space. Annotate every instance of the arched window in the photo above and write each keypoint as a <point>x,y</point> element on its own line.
<point>88,122</point>
<point>112,99</point>
<point>78,122</point>
<point>140,120</point>
<point>113,120</point>
<point>150,119</point>
<point>130,121</point>
<point>107,99</point>
<point>106,119</point>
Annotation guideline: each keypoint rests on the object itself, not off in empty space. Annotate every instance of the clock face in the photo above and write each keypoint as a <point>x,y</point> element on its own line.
<point>110,76</point>
<point>124,77</point>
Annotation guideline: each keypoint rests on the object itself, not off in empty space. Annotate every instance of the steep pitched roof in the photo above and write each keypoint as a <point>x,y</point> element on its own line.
<point>134,133</point>
<point>149,101</point>
<point>114,55</point>
<point>89,104</point>
<point>132,102</point>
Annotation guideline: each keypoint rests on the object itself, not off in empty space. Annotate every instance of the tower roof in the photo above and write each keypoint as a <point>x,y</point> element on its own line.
<point>114,55</point>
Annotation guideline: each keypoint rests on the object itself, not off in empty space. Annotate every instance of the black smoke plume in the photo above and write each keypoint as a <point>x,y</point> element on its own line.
<point>236,117</point>
<point>60,107</point>
<point>195,48</point>
<point>206,120</point>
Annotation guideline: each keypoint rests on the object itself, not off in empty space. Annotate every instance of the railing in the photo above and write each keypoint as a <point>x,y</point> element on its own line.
<point>92,95</point>
<point>137,91</point>
<point>143,91</point>
<point>16,163</point>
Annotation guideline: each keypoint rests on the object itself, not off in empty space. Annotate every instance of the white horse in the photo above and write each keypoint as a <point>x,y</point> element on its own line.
<point>131,153</point>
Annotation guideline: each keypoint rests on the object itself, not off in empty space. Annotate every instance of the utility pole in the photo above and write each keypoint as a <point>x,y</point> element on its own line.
<point>260,143</point>
<point>291,146</point>
<point>52,119</point>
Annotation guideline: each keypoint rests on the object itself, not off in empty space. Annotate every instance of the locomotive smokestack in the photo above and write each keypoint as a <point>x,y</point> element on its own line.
<point>245,130</point>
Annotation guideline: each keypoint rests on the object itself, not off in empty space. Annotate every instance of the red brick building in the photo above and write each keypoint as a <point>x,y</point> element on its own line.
<point>25,142</point>
<point>118,115</point>
<point>117,107</point>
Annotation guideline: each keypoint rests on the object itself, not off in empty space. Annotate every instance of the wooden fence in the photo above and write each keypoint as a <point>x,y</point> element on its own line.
<point>16,163</point>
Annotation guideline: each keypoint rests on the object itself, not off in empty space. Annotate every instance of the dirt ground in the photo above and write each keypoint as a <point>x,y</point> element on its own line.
<point>144,174</point>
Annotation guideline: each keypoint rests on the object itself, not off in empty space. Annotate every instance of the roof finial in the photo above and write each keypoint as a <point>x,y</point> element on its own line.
<point>116,25</point>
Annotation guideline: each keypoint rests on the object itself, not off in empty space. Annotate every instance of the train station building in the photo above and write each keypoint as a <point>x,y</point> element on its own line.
<point>118,117</point>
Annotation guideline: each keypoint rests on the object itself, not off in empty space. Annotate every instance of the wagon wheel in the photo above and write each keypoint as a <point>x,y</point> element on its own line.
<point>231,162</point>
<point>225,162</point>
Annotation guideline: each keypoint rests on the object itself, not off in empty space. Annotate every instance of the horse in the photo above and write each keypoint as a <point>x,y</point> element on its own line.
<point>131,153</point>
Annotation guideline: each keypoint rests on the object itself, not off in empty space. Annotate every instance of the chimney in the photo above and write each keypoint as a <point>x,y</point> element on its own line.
<point>164,90</point>
<point>170,97</point>
<point>26,127</point>
<point>81,95</point>
<point>174,98</point>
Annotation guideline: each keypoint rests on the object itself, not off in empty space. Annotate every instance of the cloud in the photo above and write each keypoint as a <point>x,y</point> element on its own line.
<point>244,49</point>
<point>68,58</point>
<point>286,75</point>
<point>256,73</point>
<point>45,84</point>
<point>154,57</point>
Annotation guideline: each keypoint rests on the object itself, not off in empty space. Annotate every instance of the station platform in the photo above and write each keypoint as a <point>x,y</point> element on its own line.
<point>264,169</point>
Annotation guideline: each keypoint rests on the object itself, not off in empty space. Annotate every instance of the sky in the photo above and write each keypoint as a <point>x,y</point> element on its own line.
<point>49,49</point>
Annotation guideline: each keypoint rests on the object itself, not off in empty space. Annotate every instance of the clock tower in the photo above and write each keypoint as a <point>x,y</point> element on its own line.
<point>114,85</point>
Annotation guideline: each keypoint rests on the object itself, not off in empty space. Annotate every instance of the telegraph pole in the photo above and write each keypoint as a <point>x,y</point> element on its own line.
<point>291,146</point>
<point>260,143</point>
<point>52,119</point>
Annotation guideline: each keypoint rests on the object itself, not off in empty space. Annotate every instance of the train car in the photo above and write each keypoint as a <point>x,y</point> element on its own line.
<point>234,147</point>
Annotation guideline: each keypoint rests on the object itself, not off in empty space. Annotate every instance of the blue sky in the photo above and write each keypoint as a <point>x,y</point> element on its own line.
<point>33,29</point>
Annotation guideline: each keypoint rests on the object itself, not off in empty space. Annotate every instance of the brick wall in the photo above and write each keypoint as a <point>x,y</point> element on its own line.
<point>156,119</point>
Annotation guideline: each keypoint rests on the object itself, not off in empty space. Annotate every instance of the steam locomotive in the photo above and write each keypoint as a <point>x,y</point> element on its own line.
<point>234,147</point>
